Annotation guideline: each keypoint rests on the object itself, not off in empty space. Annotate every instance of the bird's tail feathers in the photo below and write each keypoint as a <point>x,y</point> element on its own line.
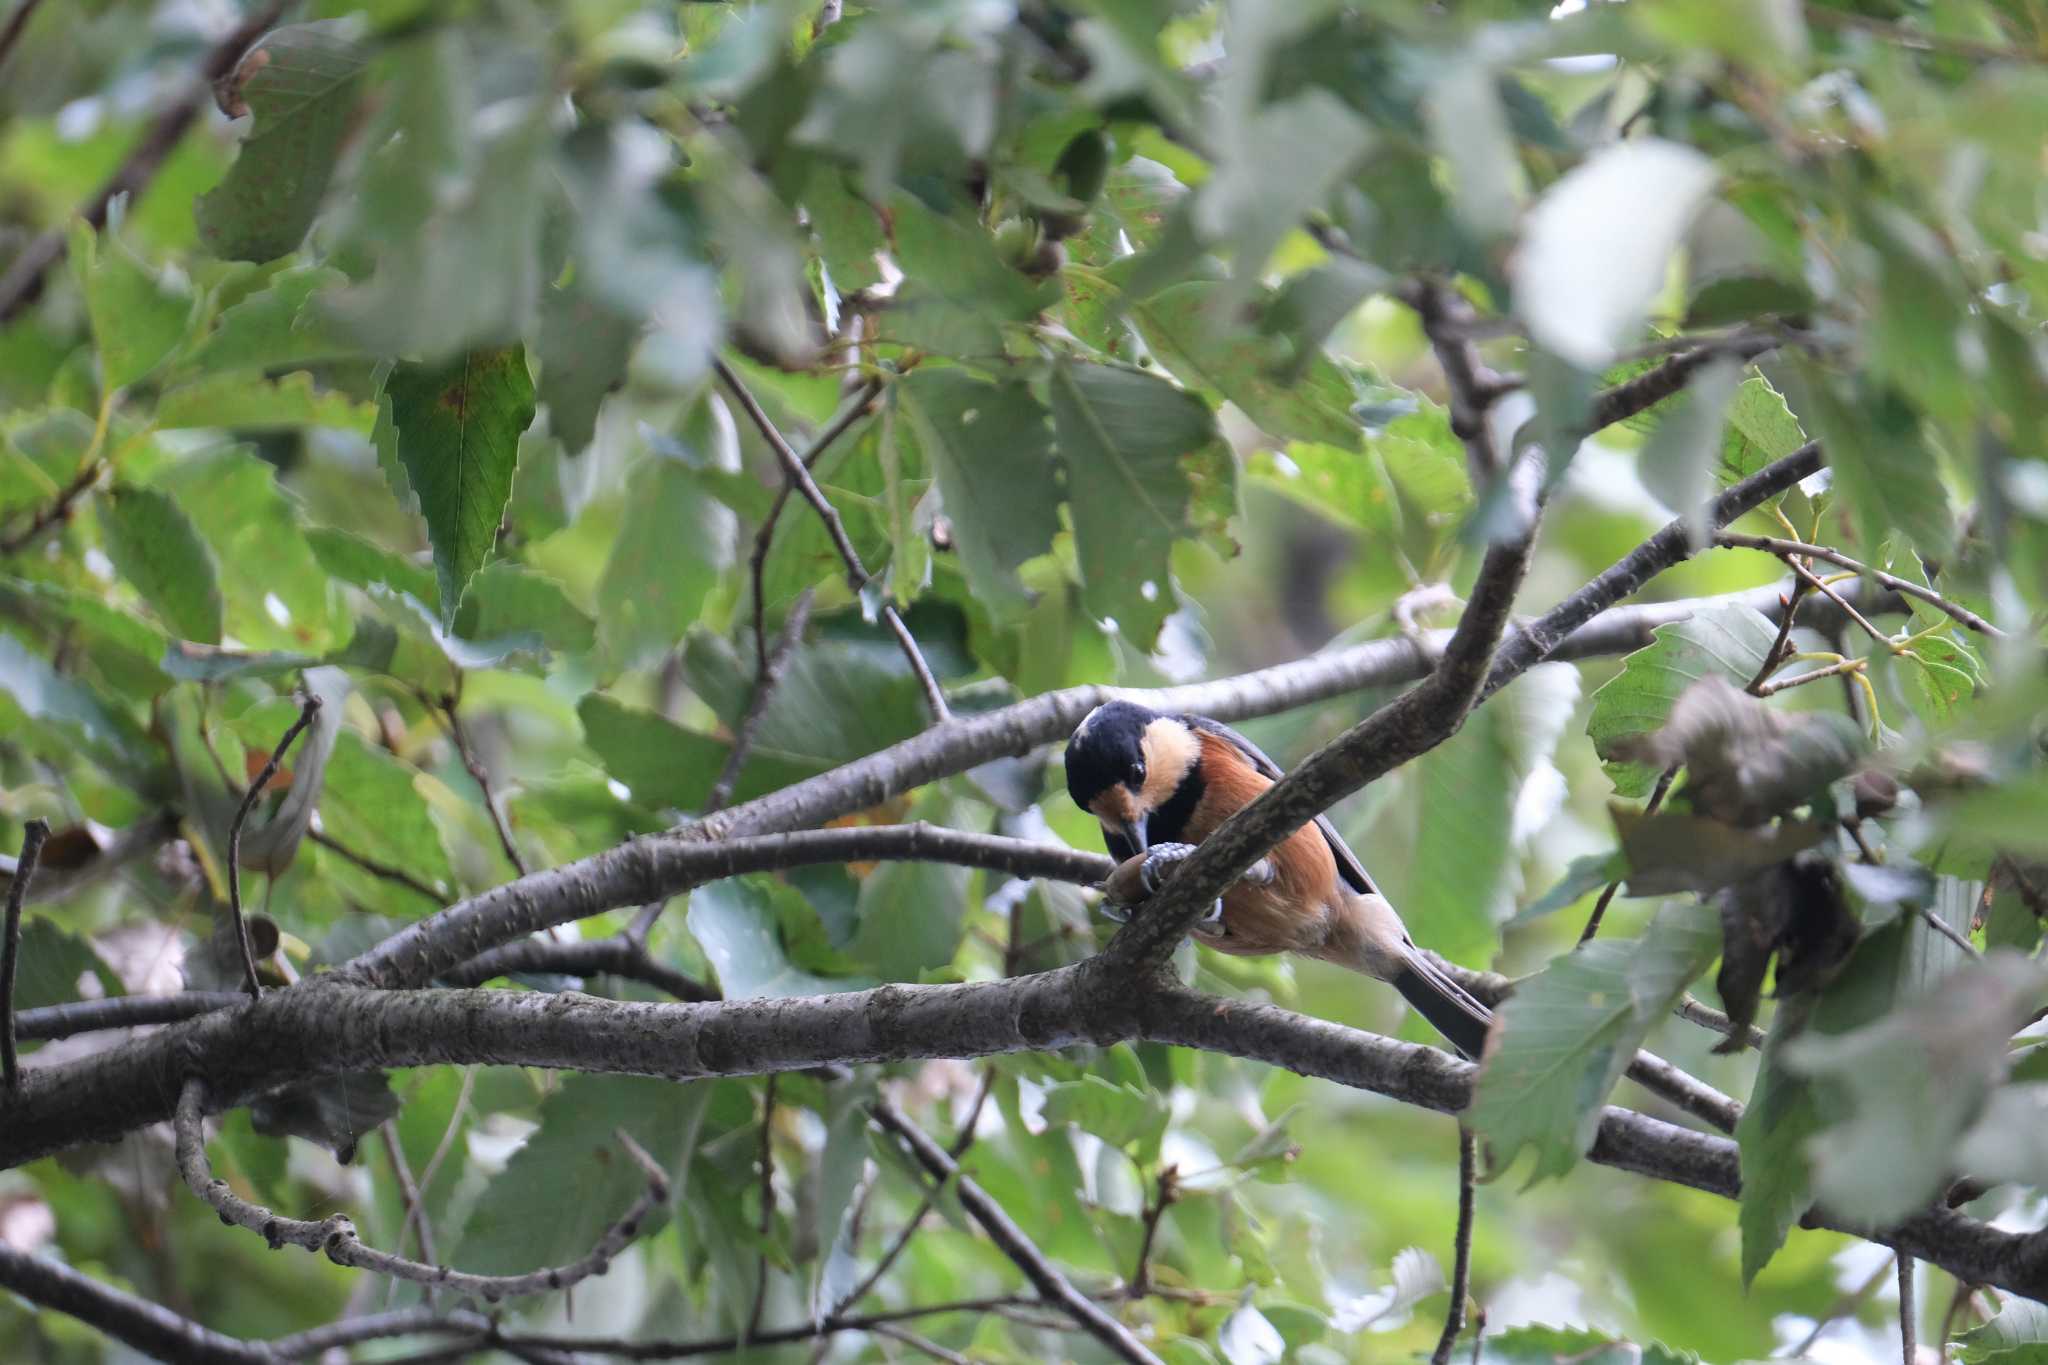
<point>1449,1007</point>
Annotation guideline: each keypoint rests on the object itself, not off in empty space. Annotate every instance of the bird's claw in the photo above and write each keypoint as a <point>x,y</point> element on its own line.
<point>1160,860</point>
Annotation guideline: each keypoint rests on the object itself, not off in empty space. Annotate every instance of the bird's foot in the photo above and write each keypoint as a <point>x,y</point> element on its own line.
<point>1212,923</point>
<point>1160,860</point>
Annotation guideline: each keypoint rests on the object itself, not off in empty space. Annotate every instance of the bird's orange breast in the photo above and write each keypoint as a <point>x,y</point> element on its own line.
<point>1291,913</point>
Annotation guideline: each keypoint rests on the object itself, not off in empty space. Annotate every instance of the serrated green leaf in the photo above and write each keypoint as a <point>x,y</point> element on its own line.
<point>257,404</point>
<point>277,594</point>
<point>458,426</point>
<point>65,714</point>
<point>572,1180</point>
<point>301,83</point>
<point>372,805</point>
<point>734,921</point>
<point>125,649</point>
<point>1121,1115</point>
<point>1569,1032</point>
<point>1773,1134</point>
<point>157,549</point>
<point>2017,1336</point>
<point>1730,641</point>
<point>276,326</point>
<point>353,559</point>
<point>1761,429</point>
<point>1137,452</point>
<point>989,447</point>
<point>673,543</point>
<point>510,601</point>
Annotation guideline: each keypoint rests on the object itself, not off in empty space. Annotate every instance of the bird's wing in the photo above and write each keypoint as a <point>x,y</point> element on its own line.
<point>1348,867</point>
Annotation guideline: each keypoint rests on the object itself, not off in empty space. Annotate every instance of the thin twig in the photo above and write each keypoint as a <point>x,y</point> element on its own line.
<point>33,833</point>
<point>1909,1350</point>
<point>119,1011</point>
<point>1461,1260</point>
<point>1773,688</point>
<point>1948,1317</point>
<point>474,765</point>
<point>1903,586</point>
<point>17,20</point>
<point>336,1234</point>
<point>1781,646</point>
<point>57,508</point>
<point>1827,590</point>
<point>765,681</point>
<point>415,1202</point>
<point>1608,892</point>
<point>1168,1194</point>
<point>1010,1239</point>
<point>619,955</point>
<point>390,872</point>
<point>923,1345</point>
<point>1947,931</point>
<point>24,279</point>
<point>1918,40</point>
<point>767,1160</point>
<point>764,537</point>
<point>1847,1303</point>
<point>307,710</point>
<point>857,576</point>
<point>962,1140</point>
<point>1707,1017</point>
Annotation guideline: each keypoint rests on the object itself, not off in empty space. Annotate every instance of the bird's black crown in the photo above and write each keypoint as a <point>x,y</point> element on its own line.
<point>1106,749</point>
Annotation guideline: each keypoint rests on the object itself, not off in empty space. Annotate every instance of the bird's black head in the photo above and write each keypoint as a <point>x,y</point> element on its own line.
<point>1108,750</point>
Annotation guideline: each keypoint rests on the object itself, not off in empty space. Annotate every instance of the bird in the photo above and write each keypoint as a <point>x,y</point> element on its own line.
<point>1160,784</point>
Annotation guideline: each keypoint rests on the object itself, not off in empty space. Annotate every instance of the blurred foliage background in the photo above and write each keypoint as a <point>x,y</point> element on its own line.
<point>395,375</point>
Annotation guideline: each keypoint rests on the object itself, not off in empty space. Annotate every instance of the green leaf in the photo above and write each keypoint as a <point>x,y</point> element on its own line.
<point>989,447</point>
<point>666,765</point>
<point>248,402</point>
<point>1761,429</point>
<point>674,541</point>
<point>2017,1336</point>
<point>372,804</point>
<point>157,549</point>
<point>1885,470</point>
<point>1275,165</point>
<point>1730,641</point>
<point>572,1180</point>
<point>1206,350</point>
<point>277,326</point>
<point>839,699</point>
<point>277,593</point>
<point>51,962</point>
<point>1773,1135</point>
<point>1911,1084</point>
<point>1583,877</point>
<point>1596,247</point>
<point>458,437</point>
<point>138,317</point>
<point>1678,463</point>
<point>64,714</point>
<point>735,923</point>
<point>1143,460</point>
<point>353,559</point>
<point>1124,1116</point>
<point>1569,1032</point>
<point>301,83</point>
<point>901,94</point>
<point>583,348</point>
<point>125,649</point>
<point>958,293</point>
<point>1465,872</point>
<point>1679,851</point>
<point>912,914</point>
<point>509,601</point>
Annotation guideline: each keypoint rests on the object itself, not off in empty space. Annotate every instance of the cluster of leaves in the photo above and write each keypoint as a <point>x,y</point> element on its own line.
<point>407,400</point>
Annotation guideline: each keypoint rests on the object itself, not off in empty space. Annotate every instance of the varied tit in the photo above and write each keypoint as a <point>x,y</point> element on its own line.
<point>1161,784</point>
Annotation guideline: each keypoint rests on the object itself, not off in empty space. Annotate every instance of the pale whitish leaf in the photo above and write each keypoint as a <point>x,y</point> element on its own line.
<point>902,94</point>
<point>301,85</point>
<point>571,1180</point>
<point>271,840</point>
<point>2017,1336</point>
<point>1569,1032</point>
<point>1911,1083</point>
<point>1466,869</point>
<point>1730,641</point>
<point>1470,132</point>
<point>458,425</point>
<point>1597,245</point>
<point>1678,462</point>
<point>1138,452</point>
<point>2004,1144</point>
<point>157,549</point>
<point>990,448</point>
<point>1246,1338</point>
<point>583,347</point>
<point>1274,166</point>
<point>1416,1275</point>
<point>734,922</point>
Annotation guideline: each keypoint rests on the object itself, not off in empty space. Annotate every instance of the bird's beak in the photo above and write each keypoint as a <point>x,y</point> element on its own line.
<point>1134,830</point>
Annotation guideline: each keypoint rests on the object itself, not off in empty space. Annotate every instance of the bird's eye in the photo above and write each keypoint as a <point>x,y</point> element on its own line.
<point>1136,775</point>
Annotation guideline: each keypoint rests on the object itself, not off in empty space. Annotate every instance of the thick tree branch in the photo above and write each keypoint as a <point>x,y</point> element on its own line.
<point>120,1011</point>
<point>1044,1276</point>
<point>24,279</point>
<point>326,1027</point>
<point>336,1234</point>
<point>32,836</point>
